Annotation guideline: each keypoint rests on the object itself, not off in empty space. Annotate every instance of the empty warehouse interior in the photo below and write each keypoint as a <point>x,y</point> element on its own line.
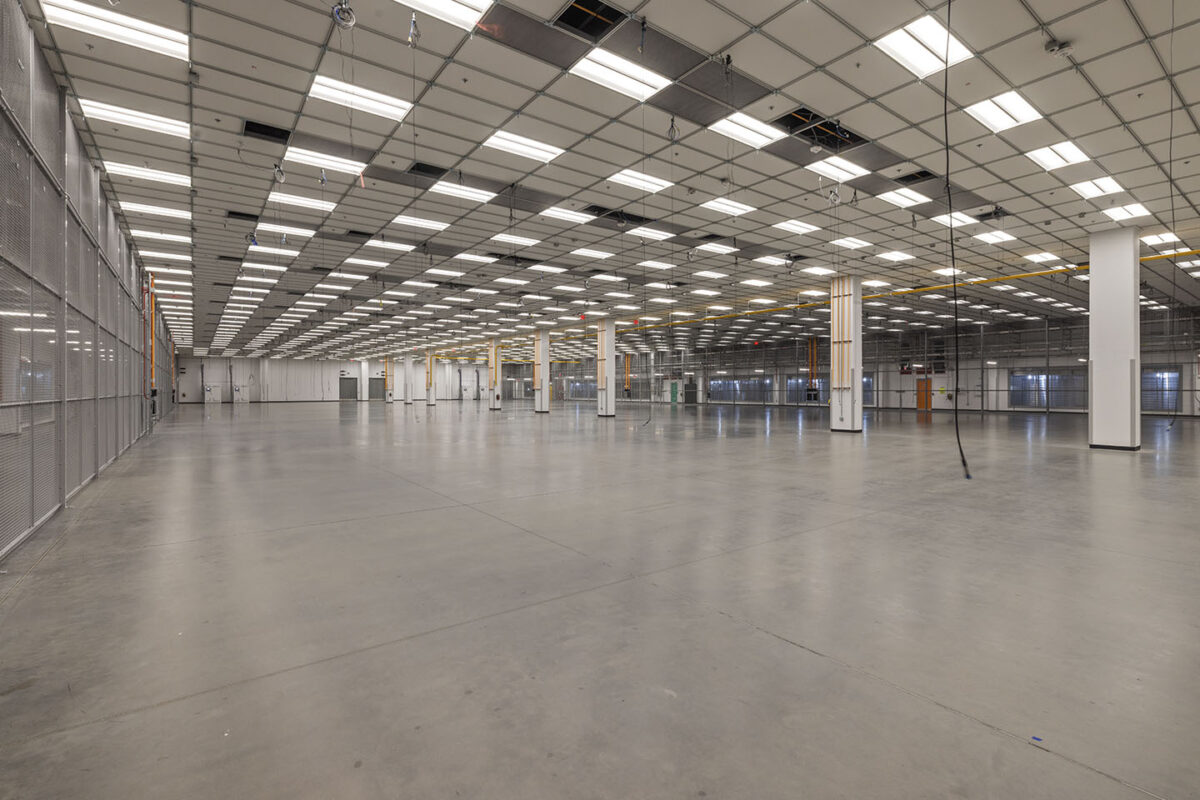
<point>599,399</point>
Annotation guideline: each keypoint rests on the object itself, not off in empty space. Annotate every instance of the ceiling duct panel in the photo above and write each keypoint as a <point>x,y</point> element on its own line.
<point>689,105</point>
<point>815,129</point>
<point>591,19</point>
<point>531,36</point>
<point>730,87</point>
<point>660,53</point>
<point>268,133</point>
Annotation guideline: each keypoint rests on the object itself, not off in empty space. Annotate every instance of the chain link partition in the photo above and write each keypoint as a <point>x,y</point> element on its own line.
<point>74,381</point>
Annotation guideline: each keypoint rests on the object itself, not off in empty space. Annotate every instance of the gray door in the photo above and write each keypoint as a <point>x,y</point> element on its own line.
<point>375,389</point>
<point>348,389</point>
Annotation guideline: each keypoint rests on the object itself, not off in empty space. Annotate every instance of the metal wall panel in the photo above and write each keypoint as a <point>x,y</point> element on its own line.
<point>15,39</point>
<point>14,190</point>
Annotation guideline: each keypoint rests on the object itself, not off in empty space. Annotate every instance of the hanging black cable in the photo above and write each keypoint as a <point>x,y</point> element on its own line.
<point>950,234</point>
<point>1171,190</point>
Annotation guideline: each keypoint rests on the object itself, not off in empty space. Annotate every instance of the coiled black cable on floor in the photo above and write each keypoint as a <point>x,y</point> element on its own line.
<point>950,234</point>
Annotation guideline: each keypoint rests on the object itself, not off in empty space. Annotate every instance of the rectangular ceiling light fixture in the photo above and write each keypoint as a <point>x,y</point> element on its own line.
<point>649,233</point>
<point>366,262</point>
<point>476,258</point>
<point>1130,211</point>
<point>154,254</point>
<point>640,180</point>
<point>121,28</point>
<point>1041,258</point>
<point>274,251</point>
<point>837,169</point>
<point>849,242</point>
<point>286,230</point>
<point>1096,188</point>
<point>1057,155</point>
<point>301,202</point>
<point>819,271</point>
<point>162,237</point>
<point>359,99</point>
<point>146,174</point>
<point>465,192</point>
<point>520,146</point>
<point>747,130</point>
<point>134,119</point>
<point>719,249</point>
<point>954,220</point>
<point>322,161</point>
<point>995,237</point>
<point>418,222</point>
<point>895,255</point>
<point>520,241</point>
<point>463,14</point>
<point>723,205</point>
<point>795,226</point>
<point>1159,239</point>
<point>924,47</point>
<point>619,74</point>
<point>771,261</point>
<point>1003,111</point>
<point>155,211</point>
<point>567,215</point>
<point>386,245</point>
<point>269,267</point>
<point>655,264</point>
<point>585,252</point>
<point>904,198</point>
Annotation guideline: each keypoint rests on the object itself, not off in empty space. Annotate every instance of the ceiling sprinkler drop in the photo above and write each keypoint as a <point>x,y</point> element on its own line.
<point>414,32</point>
<point>280,175</point>
<point>673,130</point>
<point>343,15</point>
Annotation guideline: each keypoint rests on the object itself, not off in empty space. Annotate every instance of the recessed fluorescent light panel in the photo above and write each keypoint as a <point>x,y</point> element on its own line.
<point>895,255</point>
<point>924,47</point>
<point>301,202</point>
<point>465,192</point>
<point>134,119</point>
<point>640,180</point>
<point>520,146</point>
<point>747,130</point>
<point>723,205</point>
<point>771,261</point>
<point>649,233</point>
<point>155,211</point>
<point>286,230</point>
<point>463,14</point>
<point>418,222</point>
<point>795,226</point>
<point>904,198</point>
<point>719,249</point>
<point>1130,211</point>
<point>1159,239</point>
<point>312,158</point>
<point>849,242</point>
<point>1096,188</point>
<point>359,99</point>
<point>837,169</point>
<point>995,237</point>
<point>162,237</point>
<point>619,74</point>
<point>1003,111</point>
<point>567,215</point>
<point>585,252</point>
<point>954,220</point>
<point>386,245</point>
<point>115,27</point>
<point>818,270</point>
<point>146,174</point>
<point>520,241</point>
<point>1057,155</point>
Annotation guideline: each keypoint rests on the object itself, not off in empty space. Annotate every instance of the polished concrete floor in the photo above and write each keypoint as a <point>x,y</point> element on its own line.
<point>361,601</point>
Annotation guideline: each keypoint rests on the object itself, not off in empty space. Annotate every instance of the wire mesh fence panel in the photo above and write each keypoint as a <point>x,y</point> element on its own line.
<point>47,116</point>
<point>73,450</point>
<point>47,246</point>
<point>15,197</point>
<point>87,439</point>
<point>45,422</point>
<point>15,78</point>
<point>16,474</point>
<point>87,276</point>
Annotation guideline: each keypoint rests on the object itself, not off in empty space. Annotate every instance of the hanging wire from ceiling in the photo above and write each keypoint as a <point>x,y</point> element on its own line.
<point>950,236</point>
<point>1171,309</point>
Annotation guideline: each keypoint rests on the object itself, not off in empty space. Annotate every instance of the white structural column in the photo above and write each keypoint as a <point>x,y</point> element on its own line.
<point>845,375</point>
<point>606,369</point>
<point>389,379</point>
<point>364,380</point>
<point>541,372</point>
<point>408,380</point>
<point>495,374</point>
<point>1115,342</point>
<point>430,379</point>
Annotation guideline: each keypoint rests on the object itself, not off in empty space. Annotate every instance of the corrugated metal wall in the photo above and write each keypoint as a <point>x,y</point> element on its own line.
<point>72,378</point>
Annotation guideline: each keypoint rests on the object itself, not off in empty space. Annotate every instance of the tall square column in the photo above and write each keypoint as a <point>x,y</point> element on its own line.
<point>495,373</point>
<point>541,372</point>
<point>408,380</point>
<point>1114,342</point>
<point>430,379</point>
<point>606,369</point>
<point>845,375</point>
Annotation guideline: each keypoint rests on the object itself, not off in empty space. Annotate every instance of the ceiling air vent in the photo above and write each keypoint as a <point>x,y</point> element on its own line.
<point>994,214</point>
<point>261,130</point>
<point>236,259</point>
<point>427,170</point>
<point>591,19</point>
<point>360,235</point>
<point>619,216</point>
<point>812,127</point>
<point>915,177</point>
<point>241,215</point>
